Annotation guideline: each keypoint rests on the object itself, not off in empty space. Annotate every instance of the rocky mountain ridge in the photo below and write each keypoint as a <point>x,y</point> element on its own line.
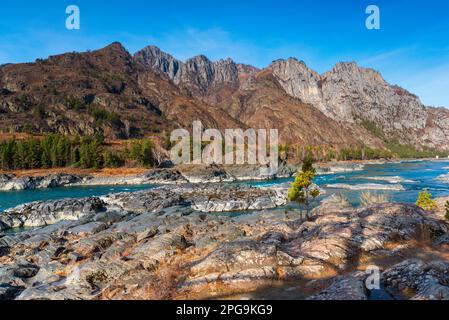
<point>349,94</point>
<point>352,94</point>
<point>199,74</point>
<point>151,92</point>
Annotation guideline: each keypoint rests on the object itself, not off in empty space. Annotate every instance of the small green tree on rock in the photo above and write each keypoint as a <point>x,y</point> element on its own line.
<point>447,210</point>
<point>302,190</point>
<point>425,201</point>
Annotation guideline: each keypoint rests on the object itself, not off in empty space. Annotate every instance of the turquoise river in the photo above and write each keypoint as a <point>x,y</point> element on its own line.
<point>401,181</point>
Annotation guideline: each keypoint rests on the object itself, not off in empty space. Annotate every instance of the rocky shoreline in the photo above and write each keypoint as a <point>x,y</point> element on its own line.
<point>158,244</point>
<point>191,240</point>
<point>179,175</point>
<point>9,182</point>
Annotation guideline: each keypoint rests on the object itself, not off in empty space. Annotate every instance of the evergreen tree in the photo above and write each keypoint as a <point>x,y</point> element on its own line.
<point>46,146</point>
<point>20,155</point>
<point>307,164</point>
<point>56,151</point>
<point>7,154</point>
<point>112,160</point>
<point>136,151</point>
<point>425,201</point>
<point>75,156</point>
<point>147,153</point>
<point>34,154</point>
<point>302,190</point>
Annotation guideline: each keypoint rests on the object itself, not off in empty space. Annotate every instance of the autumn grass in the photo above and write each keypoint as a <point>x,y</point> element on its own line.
<point>371,198</point>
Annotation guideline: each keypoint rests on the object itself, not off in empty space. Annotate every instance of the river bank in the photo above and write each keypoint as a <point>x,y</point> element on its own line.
<point>185,240</point>
<point>54,178</point>
<point>177,175</point>
<point>397,181</point>
<point>158,244</point>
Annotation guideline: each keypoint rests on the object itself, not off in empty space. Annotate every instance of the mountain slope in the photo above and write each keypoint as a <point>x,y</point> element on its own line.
<point>351,94</point>
<point>261,103</point>
<point>151,93</point>
<point>100,91</point>
<point>76,93</point>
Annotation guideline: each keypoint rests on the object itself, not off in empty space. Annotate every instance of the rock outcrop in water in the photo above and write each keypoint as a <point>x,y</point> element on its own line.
<point>39,214</point>
<point>152,245</point>
<point>9,182</point>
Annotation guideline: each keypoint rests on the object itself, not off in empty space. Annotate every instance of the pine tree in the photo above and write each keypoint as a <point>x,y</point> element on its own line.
<point>7,154</point>
<point>112,160</point>
<point>147,153</point>
<point>307,164</point>
<point>46,152</point>
<point>75,156</point>
<point>302,190</point>
<point>34,154</point>
<point>425,201</point>
<point>20,155</point>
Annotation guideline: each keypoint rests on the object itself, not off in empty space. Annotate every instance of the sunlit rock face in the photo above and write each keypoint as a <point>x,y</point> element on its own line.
<point>199,75</point>
<point>355,95</point>
<point>349,92</point>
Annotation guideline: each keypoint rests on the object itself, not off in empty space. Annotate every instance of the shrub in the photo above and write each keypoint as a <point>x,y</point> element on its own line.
<point>73,103</point>
<point>142,152</point>
<point>406,151</point>
<point>39,112</point>
<point>112,160</point>
<point>372,127</point>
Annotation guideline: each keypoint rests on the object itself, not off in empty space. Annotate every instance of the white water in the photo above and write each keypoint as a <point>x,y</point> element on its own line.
<point>391,179</point>
<point>366,186</point>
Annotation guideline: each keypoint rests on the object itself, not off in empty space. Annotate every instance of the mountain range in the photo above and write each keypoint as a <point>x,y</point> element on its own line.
<point>151,93</point>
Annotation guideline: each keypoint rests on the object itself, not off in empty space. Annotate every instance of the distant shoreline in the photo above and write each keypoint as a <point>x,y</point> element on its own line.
<point>133,171</point>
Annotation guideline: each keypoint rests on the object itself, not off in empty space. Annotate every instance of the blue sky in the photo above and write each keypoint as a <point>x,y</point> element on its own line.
<point>411,49</point>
